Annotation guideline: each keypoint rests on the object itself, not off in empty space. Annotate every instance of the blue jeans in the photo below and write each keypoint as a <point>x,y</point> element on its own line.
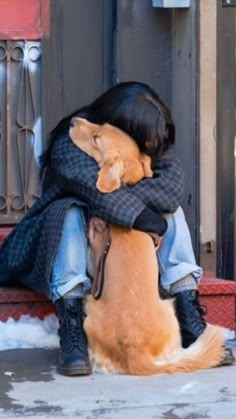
<point>69,267</point>
<point>176,257</point>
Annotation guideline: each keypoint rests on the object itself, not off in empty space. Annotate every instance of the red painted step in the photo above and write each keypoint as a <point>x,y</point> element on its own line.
<point>216,294</point>
<point>17,301</point>
<point>4,231</point>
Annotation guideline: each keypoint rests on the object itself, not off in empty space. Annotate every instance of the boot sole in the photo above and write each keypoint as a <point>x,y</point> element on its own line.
<point>228,359</point>
<point>74,371</point>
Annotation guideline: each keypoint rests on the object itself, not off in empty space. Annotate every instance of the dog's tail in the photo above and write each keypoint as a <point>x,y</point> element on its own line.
<point>206,352</point>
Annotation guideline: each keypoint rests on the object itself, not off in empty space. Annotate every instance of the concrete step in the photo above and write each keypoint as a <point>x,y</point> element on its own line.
<point>218,295</point>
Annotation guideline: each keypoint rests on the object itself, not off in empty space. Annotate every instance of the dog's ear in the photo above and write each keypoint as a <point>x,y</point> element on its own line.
<point>109,176</point>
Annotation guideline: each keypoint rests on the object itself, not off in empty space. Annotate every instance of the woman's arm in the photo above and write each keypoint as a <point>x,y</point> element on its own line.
<point>76,173</point>
<point>164,191</point>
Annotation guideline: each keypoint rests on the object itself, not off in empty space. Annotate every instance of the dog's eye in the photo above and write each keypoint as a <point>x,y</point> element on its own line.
<point>95,137</point>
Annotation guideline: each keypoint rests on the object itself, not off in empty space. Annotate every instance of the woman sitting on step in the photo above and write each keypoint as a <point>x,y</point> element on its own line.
<point>47,250</point>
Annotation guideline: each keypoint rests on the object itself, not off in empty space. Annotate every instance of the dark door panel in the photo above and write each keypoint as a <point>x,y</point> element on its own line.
<point>77,57</point>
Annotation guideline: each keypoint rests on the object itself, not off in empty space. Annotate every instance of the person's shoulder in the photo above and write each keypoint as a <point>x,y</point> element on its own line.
<point>61,140</point>
<point>168,158</point>
<point>169,154</point>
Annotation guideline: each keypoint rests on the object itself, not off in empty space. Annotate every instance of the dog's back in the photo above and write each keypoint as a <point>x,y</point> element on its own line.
<point>120,325</point>
<point>130,329</point>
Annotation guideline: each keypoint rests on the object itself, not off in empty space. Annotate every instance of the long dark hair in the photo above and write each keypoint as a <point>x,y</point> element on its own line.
<point>131,106</point>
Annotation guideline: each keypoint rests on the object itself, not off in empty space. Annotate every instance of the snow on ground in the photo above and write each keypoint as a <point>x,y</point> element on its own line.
<point>229,334</point>
<point>31,332</point>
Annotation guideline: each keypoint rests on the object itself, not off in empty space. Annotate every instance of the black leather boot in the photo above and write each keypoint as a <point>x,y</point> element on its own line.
<point>190,314</point>
<point>73,356</point>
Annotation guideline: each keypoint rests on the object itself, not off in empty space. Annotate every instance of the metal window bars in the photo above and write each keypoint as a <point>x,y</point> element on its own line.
<point>20,127</point>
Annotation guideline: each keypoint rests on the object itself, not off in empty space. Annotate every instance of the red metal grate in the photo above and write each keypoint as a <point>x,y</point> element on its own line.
<point>218,295</point>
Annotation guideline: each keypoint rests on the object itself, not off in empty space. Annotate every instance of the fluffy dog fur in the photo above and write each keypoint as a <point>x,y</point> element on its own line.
<point>116,153</point>
<point>130,329</point>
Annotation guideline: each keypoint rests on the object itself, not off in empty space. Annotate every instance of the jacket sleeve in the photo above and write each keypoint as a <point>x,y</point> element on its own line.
<point>164,191</point>
<point>76,174</point>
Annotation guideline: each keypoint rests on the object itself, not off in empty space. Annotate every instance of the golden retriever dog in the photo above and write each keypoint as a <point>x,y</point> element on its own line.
<point>116,153</point>
<point>130,329</point>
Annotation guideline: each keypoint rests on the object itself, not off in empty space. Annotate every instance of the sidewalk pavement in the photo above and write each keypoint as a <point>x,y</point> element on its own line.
<point>30,387</point>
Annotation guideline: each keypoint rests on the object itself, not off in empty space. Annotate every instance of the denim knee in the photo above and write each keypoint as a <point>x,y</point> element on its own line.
<point>69,267</point>
<point>176,256</point>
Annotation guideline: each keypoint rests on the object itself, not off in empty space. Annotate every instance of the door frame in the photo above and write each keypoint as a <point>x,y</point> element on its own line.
<point>226,123</point>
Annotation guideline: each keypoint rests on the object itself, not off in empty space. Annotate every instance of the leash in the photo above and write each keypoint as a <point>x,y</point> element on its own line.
<point>98,280</point>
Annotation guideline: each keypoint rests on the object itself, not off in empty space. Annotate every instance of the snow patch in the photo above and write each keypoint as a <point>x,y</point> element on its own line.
<point>29,332</point>
<point>229,334</point>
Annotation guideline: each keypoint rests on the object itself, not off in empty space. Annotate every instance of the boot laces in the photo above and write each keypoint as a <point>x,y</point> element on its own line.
<point>75,331</point>
<point>197,312</point>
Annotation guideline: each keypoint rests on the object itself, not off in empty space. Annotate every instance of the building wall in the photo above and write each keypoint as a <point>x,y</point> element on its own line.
<point>226,124</point>
<point>92,45</point>
<point>208,22</point>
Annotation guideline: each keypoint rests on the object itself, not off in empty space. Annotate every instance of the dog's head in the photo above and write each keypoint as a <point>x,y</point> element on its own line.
<point>101,142</point>
<point>116,153</point>
<point>98,141</point>
<point>86,136</point>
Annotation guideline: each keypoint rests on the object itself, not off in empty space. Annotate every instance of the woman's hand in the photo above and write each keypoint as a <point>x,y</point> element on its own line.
<point>156,239</point>
<point>96,224</point>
